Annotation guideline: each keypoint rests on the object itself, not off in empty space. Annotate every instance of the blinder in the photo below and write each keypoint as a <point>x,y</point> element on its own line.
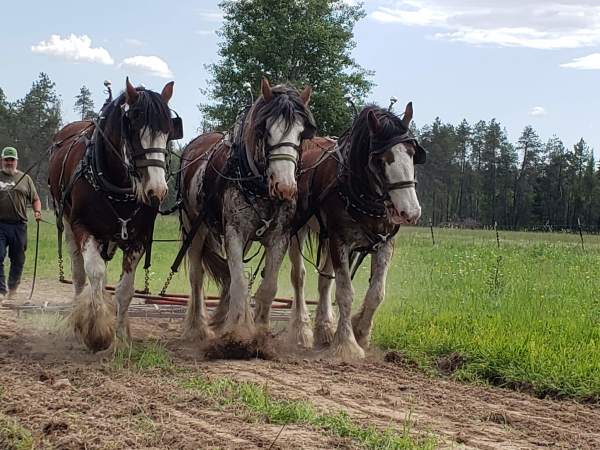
<point>132,119</point>
<point>176,128</point>
<point>420,156</point>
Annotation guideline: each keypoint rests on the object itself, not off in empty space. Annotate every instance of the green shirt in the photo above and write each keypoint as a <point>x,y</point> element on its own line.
<point>14,198</point>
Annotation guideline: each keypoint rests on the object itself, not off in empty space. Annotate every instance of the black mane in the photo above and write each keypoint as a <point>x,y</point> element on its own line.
<point>149,110</point>
<point>357,143</point>
<point>285,103</point>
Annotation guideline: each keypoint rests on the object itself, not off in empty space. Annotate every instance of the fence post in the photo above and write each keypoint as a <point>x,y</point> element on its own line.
<point>580,232</point>
<point>497,235</point>
<point>431,228</point>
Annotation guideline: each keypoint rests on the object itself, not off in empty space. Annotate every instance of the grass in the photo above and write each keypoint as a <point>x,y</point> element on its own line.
<point>142,356</point>
<point>13,436</point>
<point>259,405</point>
<point>525,315</point>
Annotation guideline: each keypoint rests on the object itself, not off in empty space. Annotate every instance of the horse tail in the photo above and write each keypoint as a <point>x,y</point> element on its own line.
<point>218,269</point>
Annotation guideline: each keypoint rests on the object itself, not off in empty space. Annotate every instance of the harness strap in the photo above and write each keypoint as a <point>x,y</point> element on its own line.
<point>400,185</point>
<point>189,237</point>
<point>283,157</point>
<point>296,147</point>
<point>150,163</point>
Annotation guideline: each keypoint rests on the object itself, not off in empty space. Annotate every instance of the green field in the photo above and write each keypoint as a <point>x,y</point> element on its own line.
<point>525,315</point>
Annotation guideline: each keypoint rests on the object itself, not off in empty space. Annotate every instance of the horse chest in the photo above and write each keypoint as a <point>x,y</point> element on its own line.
<point>257,218</point>
<point>359,232</point>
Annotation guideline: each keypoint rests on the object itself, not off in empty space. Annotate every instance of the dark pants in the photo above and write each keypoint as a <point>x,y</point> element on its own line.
<point>13,236</point>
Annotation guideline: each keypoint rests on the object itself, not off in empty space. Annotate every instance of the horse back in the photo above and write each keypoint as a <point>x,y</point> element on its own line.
<point>317,173</point>
<point>68,149</point>
<point>196,157</point>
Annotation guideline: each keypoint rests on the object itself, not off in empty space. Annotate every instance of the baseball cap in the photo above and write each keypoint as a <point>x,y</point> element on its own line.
<point>10,152</point>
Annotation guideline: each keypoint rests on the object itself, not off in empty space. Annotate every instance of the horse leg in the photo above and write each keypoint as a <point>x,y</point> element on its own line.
<point>77,270</point>
<point>344,345</point>
<point>238,325</point>
<point>196,318</point>
<point>125,289</point>
<point>93,315</point>
<point>299,332</point>
<point>268,287</point>
<point>324,315</point>
<point>362,322</point>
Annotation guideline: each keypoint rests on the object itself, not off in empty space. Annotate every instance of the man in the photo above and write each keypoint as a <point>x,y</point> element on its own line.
<point>16,192</point>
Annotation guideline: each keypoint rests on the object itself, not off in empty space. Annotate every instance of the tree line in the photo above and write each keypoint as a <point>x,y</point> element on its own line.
<point>475,177</point>
<point>29,123</point>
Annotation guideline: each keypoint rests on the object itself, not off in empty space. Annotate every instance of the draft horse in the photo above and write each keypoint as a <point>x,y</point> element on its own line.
<point>107,179</point>
<point>360,190</point>
<point>238,188</point>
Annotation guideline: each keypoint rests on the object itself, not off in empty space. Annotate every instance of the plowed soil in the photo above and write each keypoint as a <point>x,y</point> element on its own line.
<point>70,398</point>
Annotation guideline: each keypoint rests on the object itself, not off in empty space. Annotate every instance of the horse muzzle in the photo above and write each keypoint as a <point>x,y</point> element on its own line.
<point>156,197</point>
<point>283,191</point>
<point>405,216</point>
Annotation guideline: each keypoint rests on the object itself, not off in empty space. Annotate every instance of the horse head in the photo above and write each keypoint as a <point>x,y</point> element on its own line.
<point>146,127</point>
<point>278,123</point>
<point>392,154</point>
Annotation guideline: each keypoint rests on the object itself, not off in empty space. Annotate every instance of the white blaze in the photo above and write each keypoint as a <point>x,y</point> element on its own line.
<point>283,172</point>
<point>153,177</point>
<point>402,169</point>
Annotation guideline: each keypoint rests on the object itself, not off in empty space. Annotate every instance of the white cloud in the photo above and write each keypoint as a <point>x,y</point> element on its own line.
<point>538,111</point>
<point>205,32</point>
<point>541,24</point>
<point>134,42</point>
<point>148,64</point>
<point>589,62</point>
<point>73,48</point>
<point>210,15</point>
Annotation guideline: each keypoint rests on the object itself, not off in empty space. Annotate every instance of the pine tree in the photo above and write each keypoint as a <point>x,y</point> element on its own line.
<point>84,104</point>
<point>37,119</point>
<point>463,136</point>
<point>523,196</point>
<point>300,42</point>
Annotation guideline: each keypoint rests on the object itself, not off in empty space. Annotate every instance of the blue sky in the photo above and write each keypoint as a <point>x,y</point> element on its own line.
<point>531,62</point>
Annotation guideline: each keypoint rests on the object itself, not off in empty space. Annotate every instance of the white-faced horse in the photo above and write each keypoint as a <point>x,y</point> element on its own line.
<point>360,190</point>
<point>107,180</point>
<point>240,188</point>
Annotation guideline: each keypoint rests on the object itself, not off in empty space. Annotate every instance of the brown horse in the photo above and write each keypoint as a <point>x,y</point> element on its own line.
<point>107,179</point>
<point>360,190</point>
<point>240,188</point>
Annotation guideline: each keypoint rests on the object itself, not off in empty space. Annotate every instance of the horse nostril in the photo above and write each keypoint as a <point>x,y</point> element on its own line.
<point>150,193</point>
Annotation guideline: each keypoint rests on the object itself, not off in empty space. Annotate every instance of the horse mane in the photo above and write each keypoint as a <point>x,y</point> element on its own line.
<point>155,109</point>
<point>285,103</point>
<point>357,143</point>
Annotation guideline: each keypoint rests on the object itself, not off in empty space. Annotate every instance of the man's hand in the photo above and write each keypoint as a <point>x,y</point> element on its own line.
<point>37,215</point>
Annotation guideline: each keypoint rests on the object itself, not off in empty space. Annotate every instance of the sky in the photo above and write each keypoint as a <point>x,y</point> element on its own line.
<point>523,62</point>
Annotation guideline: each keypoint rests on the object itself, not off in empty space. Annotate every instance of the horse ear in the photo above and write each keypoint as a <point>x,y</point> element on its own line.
<point>167,91</point>
<point>305,95</point>
<point>408,115</point>
<point>265,88</point>
<point>373,122</point>
<point>130,92</point>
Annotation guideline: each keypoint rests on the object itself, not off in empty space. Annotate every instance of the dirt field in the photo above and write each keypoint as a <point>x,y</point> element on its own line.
<point>71,399</point>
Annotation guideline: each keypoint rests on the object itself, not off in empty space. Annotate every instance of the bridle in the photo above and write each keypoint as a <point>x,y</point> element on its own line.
<point>131,142</point>
<point>419,157</point>
<point>284,156</point>
<point>268,149</point>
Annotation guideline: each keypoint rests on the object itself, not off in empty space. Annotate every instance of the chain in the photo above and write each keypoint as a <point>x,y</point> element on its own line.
<point>167,282</point>
<point>147,280</point>
<point>61,270</point>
